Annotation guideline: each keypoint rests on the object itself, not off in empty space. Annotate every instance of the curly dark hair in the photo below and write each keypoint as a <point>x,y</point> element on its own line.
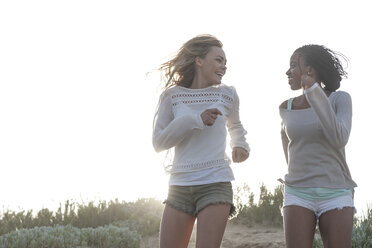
<point>326,63</point>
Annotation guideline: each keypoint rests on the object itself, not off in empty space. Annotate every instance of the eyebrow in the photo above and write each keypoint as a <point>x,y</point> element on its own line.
<point>223,58</point>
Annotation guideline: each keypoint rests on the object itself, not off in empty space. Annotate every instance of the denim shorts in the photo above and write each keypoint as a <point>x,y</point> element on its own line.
<point>319,206</point>
<point>193,199</point>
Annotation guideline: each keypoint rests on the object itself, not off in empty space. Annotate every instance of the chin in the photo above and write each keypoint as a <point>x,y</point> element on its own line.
<point>215,83</point>
<point>294,87</point>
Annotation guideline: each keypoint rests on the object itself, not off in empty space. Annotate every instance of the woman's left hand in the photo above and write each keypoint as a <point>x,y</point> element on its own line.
<point>239,154</point>
<point>307,81</point>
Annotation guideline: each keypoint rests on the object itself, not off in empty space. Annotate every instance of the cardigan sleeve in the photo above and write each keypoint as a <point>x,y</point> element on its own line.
<point>168,131</point>
<point>234,125</point>
<point>336,123</point>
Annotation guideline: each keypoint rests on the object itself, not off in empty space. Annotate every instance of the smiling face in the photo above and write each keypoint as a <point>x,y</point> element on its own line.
<point>212,67</point>
<point>295,71</point>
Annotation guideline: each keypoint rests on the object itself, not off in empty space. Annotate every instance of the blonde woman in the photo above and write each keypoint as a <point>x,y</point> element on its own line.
<point>195,112</point>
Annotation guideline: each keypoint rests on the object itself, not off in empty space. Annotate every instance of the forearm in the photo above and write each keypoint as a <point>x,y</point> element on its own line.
<point>175,131</point>
<point>237,134</point>
<point>336,126</point>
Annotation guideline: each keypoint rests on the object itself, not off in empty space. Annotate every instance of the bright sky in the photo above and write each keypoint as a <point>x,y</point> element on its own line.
<point>76,106</point>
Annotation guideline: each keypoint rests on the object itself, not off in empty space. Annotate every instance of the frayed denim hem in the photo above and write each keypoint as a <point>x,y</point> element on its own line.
<point>184,210</point>
<point>232,212</point>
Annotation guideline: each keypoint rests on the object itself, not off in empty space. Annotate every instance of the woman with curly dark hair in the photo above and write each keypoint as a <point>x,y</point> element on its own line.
<point>315,130</point>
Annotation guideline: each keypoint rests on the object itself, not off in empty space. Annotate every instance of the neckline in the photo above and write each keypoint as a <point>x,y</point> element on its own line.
<point>200,89</point>
<point>329,97</point>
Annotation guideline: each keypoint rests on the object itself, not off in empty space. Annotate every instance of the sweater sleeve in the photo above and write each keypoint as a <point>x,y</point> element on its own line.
<point>336,124</point>
<point>235,127</point>
<point>168,131</point>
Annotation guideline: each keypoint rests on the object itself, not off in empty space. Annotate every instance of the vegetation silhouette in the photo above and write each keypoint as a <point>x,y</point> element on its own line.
<point>124,224</point>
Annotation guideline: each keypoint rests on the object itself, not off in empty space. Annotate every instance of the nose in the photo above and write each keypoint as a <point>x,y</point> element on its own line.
<point>288,72</point>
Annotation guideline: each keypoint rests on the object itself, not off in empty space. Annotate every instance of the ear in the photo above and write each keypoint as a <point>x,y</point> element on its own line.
<point>198,61</point>
<point>309,70</point>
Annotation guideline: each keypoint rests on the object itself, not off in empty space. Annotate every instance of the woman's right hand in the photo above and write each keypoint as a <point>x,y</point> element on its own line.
<point>209,116</point>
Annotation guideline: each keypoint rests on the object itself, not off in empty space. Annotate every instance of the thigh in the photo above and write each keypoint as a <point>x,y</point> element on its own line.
<point>215,193</point>
<point>299,226</point>
<point>211,225</point>
<point>176,228</point>
<point>336,227</point>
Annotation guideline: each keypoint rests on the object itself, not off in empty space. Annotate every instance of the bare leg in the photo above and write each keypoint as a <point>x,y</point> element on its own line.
<point>176,228</point>
<point>211,224</point>
<point>336,228</point>
<point>299,227</point>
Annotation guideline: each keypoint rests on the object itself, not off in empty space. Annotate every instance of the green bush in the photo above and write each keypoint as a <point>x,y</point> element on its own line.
<point>143,216</point>
<point>123,224</point>
<point>362,232</point>
<point>69,237</point>
<point>267,211</point>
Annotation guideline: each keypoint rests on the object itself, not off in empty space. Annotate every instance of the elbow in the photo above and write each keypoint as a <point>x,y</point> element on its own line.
<point>157,146</point>
<point>339,139</point>
<point>157,149</point>
<point>157,142</point>
<point>341,142</point>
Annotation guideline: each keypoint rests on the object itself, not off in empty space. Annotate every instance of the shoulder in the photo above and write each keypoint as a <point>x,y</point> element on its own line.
<point>225,87</point>
<point>341,93</point>
<point>172,90</point>
<point>228,93</point>
<point>166,96</point>
<point>169,92</point>
<point>228,90</point>
<point>284,105</point>
<point>341,96</point>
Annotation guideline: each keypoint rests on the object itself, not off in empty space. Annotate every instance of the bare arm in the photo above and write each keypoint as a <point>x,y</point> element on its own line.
<point>285,143</point>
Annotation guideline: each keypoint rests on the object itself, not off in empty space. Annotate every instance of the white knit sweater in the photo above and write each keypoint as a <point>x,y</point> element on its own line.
<point>199,150</point>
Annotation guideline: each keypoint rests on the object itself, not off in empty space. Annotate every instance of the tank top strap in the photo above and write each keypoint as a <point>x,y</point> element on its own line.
<point>289,103</point>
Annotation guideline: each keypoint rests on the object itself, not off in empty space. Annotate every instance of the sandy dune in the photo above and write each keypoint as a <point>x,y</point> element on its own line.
<point>239,236</point>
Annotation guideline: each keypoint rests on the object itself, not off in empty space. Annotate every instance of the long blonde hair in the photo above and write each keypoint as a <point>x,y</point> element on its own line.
<point>180,70</point>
